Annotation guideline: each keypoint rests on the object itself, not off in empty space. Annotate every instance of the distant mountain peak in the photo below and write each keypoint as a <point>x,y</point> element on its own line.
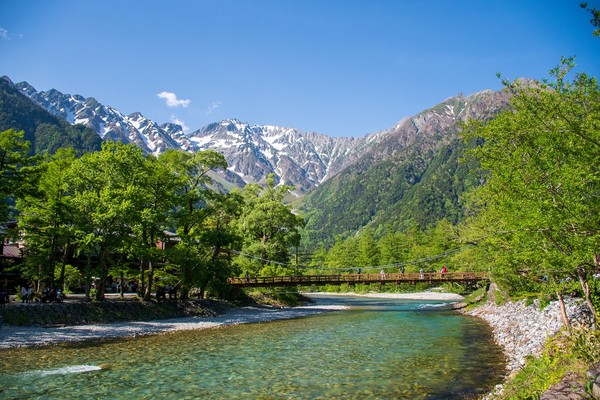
<point>303,160</point>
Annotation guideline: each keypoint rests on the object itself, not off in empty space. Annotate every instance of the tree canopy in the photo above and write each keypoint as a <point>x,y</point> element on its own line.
<point>116,210</point>
<point>539,208</point>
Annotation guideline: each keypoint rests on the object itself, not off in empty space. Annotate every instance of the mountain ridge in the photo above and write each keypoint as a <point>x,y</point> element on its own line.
<point>305,160</point>
<point>45,131</point>
<point>412,176</point>
<point>300,159</point>
<point>409,174</point>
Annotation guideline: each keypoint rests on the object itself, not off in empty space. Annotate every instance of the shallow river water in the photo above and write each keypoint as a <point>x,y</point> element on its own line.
<point>378,349</point>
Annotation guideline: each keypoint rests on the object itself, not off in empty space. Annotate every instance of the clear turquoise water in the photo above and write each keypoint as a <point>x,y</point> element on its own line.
<point>380,349</point>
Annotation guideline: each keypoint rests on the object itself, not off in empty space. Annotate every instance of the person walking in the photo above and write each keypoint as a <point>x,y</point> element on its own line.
<point>24,294</point>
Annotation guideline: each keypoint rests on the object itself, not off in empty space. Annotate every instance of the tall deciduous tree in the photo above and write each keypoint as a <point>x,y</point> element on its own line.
<point>106,187</point>
<point>195,207</point>
<point>392,247</point>
<point>344,254</point>
<point>155,200</point>
<point>269,226</point>
<point>45,220</point>
<point>13,155</point>
<point>541,202</point>
<point>368,251</point>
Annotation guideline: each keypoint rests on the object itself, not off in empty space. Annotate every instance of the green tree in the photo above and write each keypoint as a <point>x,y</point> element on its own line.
<point>200,216</point>
<point>392,247</point>
<point>155,200</point>
<point>268,226</point>
<point>217,237</point>
<point>368,251</point>
<point>595,21</point>
<point>106,188</point>
<point>13,156</point>
<point>45,220</point>
<point>539,206</point>
<point>343,255</point>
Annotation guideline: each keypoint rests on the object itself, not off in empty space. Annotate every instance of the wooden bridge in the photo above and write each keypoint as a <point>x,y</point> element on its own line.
<point>308,280</point>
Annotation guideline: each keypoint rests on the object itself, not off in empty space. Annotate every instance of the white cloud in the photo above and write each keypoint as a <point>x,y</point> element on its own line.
<point>6,35</point>
<point>181,123</point>
<point>172,100</point>
<point>213,107</point>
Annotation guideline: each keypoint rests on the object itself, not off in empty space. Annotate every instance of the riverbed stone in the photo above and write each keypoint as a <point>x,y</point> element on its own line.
<point>593,375</point>
<point>571,387</point>
<point>522,328</point>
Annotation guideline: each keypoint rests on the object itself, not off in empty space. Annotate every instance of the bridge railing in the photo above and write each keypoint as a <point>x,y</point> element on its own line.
<point>357,278</point>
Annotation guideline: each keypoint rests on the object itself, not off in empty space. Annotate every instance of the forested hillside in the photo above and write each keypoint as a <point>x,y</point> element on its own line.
<point>43,130</point>
<point>415,176</point>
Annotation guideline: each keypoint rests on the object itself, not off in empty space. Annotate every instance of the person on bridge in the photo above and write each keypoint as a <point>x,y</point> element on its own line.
<point>444,270</point>
<point>382,273</point>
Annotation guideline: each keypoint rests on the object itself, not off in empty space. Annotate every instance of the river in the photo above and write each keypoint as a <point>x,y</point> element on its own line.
<point>377,349</point>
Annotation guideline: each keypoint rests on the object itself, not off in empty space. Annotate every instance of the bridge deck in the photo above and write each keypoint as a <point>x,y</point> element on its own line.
<point>307,280</point>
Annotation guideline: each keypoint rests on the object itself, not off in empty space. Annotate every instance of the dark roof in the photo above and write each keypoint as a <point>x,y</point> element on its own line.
<point>11,250</point>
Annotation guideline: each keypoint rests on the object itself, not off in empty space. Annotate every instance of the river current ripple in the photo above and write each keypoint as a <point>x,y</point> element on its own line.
<point>376,349</point>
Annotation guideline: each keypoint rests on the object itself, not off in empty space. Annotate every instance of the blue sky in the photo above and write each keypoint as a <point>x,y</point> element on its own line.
<point>342,68</point>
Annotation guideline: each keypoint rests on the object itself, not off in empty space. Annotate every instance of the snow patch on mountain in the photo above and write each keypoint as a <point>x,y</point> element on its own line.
<point>300,159</point>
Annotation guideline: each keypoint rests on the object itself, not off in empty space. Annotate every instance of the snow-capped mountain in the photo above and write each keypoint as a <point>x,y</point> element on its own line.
<point>303,160</point>
<point>107,122</point>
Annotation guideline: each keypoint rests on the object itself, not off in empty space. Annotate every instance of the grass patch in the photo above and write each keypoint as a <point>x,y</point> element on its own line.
<point>562,354</point>
<point>279,297</point>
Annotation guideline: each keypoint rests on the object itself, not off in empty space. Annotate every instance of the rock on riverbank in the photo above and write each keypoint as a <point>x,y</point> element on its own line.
<point>522,329</point>
<point>81,313</point>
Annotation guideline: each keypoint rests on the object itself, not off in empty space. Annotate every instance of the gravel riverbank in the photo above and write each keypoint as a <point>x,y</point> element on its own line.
<point>21,336</point>
<point>522,330</point>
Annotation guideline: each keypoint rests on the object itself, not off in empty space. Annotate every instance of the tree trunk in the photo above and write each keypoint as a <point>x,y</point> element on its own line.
<point>88,276</point>
<point>104,267</point>
<point>101,286</point>
<point>263,252</point>
<point>142,288</point>
<point>52,261</point>
<point>61,283</point>
<point>122,285</point>
<point>185,292</point>
<point>585,286</point>
<point>563,312</point>
<point>148,293</point>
